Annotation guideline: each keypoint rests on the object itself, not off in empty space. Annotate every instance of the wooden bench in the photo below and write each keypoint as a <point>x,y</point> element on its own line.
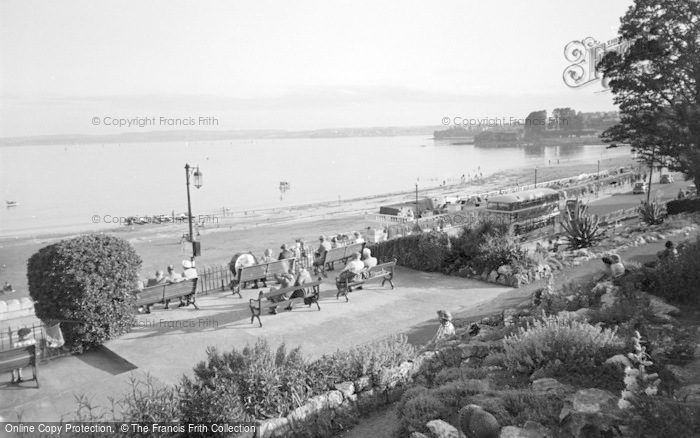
<point>337,255</point>
<point>311,294</point>
<point>384,271</point>
<point>164,293</point>
<point>20,357</point>
<point>260,272</point>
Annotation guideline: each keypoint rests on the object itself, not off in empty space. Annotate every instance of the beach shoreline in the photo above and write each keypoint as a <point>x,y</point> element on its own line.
<point>159,245</point>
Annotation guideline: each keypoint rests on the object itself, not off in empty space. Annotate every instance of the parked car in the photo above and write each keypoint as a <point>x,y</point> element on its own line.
<point>639,188</point>
<point>691,189</point>
<point>666,179</point>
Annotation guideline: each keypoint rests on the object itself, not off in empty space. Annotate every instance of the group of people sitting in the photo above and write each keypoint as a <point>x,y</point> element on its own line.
<point>326,244</point>
<point>189,273</point>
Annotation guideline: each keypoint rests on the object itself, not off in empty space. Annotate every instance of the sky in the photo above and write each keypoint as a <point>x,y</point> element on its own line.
<point>81,66</point>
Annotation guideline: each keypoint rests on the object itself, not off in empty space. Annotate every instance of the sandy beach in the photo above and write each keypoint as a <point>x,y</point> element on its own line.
<point>239,231</point>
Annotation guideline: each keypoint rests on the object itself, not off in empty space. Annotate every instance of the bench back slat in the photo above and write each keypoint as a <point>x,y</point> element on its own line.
<point>353,248</point>
<point>265,270</point>
<point>335,254</point>
<point>289,289</point>
<point>17,358</point>
<point>176,290</point>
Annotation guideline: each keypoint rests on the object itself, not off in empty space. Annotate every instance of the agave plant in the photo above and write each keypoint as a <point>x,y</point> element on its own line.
<point>652,213</point>
<point>582,229</point>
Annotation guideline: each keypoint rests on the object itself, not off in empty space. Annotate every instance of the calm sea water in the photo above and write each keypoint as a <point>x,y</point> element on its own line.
<point>61,188</point>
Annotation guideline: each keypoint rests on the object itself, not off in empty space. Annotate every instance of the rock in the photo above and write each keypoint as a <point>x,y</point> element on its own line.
<point>475,349</point>
<point>275,427</point>
<point>519,432</point>
<point>492,277</point>
<point>587,424</point>
<point>346,388</point>
<point>504,270</point>
<point>335,399</point>
<point>363,383</point>
<point>477,423</point>
<point>619,359</point>
<point>593,400</point>
<point>502,280</point>
<point>682,375</point>
<point>689,393</point>
<point>548,385</point>
<point>660,307</point>
<point>442,429</point>
<point>418,435</point>
<point>484,275</point>
<point>584,312</point>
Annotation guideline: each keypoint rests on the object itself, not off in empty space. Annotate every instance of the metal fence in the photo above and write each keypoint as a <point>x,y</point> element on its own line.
<point>8,336</point>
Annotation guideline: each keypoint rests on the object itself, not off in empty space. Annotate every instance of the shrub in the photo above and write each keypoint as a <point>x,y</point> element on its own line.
<point>267,384</point>
<point>418,411</point>
<point>360,361</point>
<point>678,279</point>
<point>497,251</point>
<point>558,339</point>
<point>527,406</point>
<point>466,245</point>
<point>652,213</point>
<point>683,205</point>
<point>456,393</point>
<point>582,230</point>
<point>148,401</point>
<point>424,251</point>
<point>90,279</point>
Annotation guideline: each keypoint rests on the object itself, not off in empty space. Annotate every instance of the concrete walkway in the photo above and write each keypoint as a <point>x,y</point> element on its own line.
<point>169,343</point>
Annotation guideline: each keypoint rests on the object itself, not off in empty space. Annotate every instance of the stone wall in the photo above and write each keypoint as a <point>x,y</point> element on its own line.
<point>13,309</point>
<point>364,395</point>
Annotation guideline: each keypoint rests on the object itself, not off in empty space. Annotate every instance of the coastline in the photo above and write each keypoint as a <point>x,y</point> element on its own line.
<point>159,245</point>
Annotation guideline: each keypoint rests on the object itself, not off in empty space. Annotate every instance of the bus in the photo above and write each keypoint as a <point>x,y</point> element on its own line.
<point>526,210</point>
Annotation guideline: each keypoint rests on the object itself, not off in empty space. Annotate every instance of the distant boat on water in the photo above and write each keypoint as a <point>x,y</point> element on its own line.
<point>12,203</point>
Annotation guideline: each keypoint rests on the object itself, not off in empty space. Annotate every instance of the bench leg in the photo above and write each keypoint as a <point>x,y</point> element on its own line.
<point>391,283</point>
<point>35,371</point>
<point>264,282</point>
<point>255,314</point>
<point>237,290</point>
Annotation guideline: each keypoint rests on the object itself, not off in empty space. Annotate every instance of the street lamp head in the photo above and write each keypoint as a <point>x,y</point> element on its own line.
<point>198,178</point>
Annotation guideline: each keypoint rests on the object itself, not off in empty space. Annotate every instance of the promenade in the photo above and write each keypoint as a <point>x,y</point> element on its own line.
<point>168,343</point>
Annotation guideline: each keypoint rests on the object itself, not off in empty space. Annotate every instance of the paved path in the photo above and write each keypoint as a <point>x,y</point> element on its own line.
<point>169,343</point>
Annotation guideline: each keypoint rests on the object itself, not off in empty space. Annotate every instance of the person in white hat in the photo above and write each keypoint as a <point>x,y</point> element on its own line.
<point>446,328</point>
<point>190,272</point>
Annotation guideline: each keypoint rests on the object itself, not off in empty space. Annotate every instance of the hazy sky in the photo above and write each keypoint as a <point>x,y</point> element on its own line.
<point>289,64</point>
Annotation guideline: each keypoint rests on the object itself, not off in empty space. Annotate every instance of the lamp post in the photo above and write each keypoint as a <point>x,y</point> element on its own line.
<point>197,177</point>
<point>416,200</point>
<point>535,176</point>
<point>597,179</point>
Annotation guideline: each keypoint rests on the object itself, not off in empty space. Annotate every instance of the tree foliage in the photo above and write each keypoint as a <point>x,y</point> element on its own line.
<point>655,83</point>
<point>88,281</point>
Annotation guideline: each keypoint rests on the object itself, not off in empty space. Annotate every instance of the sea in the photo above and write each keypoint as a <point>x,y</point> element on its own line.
<point>71,187</point>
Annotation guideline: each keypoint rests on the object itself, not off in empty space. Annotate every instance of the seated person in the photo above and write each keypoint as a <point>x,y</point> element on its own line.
<point>160,279</point>
<point>615,268</point>
<point>352,271</point>
<point>303,277</point>
<point>267,257</point>
<point>286,252</point>
<point>367,258</point>
<point>669,252</point>
<point>174,277</point>
<point>7,288</point>
<point>242,260</point>
<point>23,340</point>
<point>190,272</point>
<point>286,280</point>
<point>320,254</point>
<point>357,237</point>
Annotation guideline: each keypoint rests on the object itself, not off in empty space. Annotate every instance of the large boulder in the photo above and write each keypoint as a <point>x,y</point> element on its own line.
<point>442,429</point>
<point>591,412</point>
<point>547,385</point>
<point>477,423</point>
<point>689,393</point>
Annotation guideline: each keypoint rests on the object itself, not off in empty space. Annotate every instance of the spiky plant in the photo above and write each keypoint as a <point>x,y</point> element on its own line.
<point>582,229</point>
<point>652,213</point>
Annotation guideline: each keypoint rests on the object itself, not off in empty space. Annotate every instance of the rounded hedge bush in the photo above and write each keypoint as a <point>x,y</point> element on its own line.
<point>90,280</point>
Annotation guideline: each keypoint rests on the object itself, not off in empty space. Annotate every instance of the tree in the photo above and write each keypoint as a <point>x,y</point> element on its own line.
<point>535,124</point>
<point>655,83</point>
<point>87,282</point>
